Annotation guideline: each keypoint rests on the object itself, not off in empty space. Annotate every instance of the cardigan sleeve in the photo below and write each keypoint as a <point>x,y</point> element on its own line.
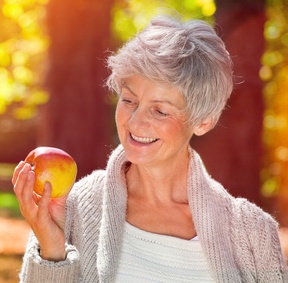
<point>262,231</point>
<point>35,269</point>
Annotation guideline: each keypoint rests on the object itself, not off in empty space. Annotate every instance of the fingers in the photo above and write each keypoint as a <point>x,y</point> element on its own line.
<point>25,189</point>
<point>37,210</point>
<point>17,170</point>
<point>23,181</point>
<point>22,178</point>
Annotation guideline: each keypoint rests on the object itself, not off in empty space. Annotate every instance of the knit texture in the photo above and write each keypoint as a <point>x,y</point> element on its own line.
<point>145,256</point>
<point>239,240</point>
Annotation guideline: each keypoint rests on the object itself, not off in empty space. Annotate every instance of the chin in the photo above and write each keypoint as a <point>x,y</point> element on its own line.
<point>137,158</point>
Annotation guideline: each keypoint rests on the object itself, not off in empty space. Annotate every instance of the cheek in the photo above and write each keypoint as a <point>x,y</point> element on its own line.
<point>118,120</point>
<point>121,119</point>
<point>167,131</point>
<point>119,114</point>
<point>177,129</point>
<point>174,126</point>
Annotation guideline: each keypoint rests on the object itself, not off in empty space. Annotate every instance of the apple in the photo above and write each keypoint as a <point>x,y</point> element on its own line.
<point>55,166</point>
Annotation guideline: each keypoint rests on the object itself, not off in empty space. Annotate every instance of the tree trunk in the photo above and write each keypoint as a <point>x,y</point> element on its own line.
<point>78,117</point>
<point>232,151</point>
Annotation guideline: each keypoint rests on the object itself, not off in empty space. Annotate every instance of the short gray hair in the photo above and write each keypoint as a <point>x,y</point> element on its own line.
<point>187,55</point>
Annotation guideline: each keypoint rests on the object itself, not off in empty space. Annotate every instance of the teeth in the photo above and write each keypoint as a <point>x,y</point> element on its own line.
<point>143,140</point>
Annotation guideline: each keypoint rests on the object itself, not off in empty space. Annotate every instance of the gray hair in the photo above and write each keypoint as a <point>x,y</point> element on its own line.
<point>187,55</point>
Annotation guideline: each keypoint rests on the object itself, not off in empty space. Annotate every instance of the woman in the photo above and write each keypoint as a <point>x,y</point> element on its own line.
<point>154,214</point>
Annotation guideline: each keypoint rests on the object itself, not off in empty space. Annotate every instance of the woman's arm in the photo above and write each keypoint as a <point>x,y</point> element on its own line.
<point>36,269</point>
<point>48,257</point>
<point>262,231</point>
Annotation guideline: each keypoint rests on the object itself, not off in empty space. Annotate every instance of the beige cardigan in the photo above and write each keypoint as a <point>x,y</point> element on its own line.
<point>240,241</point>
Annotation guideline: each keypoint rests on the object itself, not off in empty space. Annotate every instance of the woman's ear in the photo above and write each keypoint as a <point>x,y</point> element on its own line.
<point>204,127</point>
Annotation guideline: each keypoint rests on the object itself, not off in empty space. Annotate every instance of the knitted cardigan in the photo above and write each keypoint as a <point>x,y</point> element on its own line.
<point>239,240</point>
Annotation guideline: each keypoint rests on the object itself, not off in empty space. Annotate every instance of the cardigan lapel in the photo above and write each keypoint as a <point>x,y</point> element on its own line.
<point>209,204</point>
<point>113,218</point>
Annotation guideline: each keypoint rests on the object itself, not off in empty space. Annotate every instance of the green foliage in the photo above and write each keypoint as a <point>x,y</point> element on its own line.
<point>274,74</point>
<point>9,205</point>
<point>129,16</point>
<point>23,46</point>
<point>23,43</point>
<point>6,170</point>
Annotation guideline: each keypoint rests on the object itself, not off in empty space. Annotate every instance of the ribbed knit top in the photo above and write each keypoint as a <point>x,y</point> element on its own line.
<point>149,257</point>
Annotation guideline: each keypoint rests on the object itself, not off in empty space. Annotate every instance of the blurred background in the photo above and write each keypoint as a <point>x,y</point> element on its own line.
<point>52,76</point>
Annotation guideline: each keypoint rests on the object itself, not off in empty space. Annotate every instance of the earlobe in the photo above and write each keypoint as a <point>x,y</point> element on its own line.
<point>204,127</point>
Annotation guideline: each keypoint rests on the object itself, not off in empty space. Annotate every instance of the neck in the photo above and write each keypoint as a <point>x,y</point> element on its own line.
<point>160,184</point>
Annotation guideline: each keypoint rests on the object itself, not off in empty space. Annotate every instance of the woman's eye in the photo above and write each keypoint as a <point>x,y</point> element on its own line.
<point>127,101</point>
<point>161,113</point>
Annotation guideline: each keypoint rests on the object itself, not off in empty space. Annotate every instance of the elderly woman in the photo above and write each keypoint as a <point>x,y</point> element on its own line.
<point>154,214</point>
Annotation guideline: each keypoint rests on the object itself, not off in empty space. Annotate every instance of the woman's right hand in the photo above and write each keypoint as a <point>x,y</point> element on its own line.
<point>45,216</point>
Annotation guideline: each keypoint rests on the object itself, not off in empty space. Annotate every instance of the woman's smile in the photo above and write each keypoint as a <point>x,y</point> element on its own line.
<point>143,140</point>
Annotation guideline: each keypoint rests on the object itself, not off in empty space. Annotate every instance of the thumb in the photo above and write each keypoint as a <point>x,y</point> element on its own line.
<point>45,199</point>
<point>47,190</point>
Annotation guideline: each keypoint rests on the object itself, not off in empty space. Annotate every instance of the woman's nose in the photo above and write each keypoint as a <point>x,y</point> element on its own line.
<point>140,118</point>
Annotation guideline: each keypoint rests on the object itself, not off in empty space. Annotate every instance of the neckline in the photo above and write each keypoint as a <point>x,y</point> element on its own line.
<point>154,237</point>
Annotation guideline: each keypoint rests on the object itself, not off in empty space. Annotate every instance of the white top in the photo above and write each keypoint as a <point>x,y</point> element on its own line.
<point>148,257</point>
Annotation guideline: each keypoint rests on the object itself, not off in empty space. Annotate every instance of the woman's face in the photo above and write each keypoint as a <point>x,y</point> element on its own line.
<point>151,122</point>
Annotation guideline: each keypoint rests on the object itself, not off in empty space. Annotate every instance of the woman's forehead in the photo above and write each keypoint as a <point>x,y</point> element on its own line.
<point>158,92</point>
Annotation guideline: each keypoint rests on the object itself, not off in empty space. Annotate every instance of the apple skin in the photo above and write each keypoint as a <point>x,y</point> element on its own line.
<point>55,166</point>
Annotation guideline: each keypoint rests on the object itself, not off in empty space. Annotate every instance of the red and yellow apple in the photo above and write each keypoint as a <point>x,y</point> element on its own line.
<point>55,166</point>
